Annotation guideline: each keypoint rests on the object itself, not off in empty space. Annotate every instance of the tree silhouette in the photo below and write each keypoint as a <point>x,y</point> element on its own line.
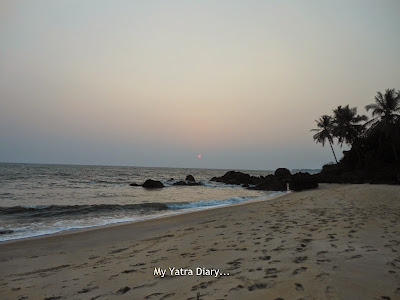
<point>374,145</point>
<point>324,132</point>
<point>386,117</point>
<point>346,124</point>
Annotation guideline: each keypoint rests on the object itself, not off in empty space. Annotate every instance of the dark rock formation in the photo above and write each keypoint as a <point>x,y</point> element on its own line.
<point>374,172</point>
<point>189,178</point>
<point>189,181</point>
<point>271,183</point>
<point>302,181</point>
<point>276,182</point>
<point>282,173</point>
<point>134,184</point>
<point>373,158</point>
<point>239,178</point>
<point>152,184</point>
<point>181,182</point>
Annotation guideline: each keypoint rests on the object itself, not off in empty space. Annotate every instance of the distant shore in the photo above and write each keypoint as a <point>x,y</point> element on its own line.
<point>334,242</point>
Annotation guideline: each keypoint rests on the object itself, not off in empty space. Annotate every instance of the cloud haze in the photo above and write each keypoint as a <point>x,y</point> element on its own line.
<point>157,83</point>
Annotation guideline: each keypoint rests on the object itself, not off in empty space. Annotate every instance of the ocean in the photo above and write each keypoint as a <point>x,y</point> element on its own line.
<point>39,199</point>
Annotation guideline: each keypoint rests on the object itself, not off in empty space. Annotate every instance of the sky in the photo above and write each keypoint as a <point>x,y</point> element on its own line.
<point>156,83</point>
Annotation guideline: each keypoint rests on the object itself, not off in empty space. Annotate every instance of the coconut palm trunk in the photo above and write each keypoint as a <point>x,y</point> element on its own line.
<point>333,151</point>
<point>324,132</point>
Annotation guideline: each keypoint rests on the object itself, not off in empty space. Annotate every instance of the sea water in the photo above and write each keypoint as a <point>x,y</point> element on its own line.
<point>38,199</point>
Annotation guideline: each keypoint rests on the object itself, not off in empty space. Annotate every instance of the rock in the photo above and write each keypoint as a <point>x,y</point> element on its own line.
<point>181,182</point>
<point>134,184</point>
<point>189,183</point>
<point>152,184</point>
<point>271,183</point>
<point>282,172</point>
<point>6,231</point>
<point>189,178</point>
<point>233,177</point>
<point>302,181</point>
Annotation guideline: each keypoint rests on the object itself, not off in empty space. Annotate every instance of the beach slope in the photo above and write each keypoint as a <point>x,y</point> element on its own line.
<point>335,242</point>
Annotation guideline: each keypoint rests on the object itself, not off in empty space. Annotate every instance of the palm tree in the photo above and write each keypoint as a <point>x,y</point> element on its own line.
<point>324,132</point>
<point>346,125</point>
<point>386,115</point>
<point>386,108</point>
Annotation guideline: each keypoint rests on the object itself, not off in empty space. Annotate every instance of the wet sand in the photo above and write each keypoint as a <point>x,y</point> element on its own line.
<point>335,242</point>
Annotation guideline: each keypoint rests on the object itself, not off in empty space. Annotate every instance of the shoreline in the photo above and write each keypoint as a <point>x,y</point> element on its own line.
<point>334,242</point>
<point>128,223</point>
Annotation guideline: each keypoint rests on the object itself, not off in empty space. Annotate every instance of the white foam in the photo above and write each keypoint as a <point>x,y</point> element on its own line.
<point>40,228</point>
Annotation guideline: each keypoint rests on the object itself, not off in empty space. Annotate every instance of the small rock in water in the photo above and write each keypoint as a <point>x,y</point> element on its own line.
<point>181,182</point>
<point>6,231</point>
<point>152,184</point>
<point>189,178</point>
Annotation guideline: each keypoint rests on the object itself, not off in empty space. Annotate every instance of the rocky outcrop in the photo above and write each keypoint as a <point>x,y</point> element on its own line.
<point>180,182</point>
<point>302,181</point>
<point>190,178</point>
<point>271,183</point>
<point>152,184</point>
<point>276,182</point>
<point>378,173</point>
<point>134,184</point>
<point>189,181</point>
<point>239,178</point>
<point>282,173</point>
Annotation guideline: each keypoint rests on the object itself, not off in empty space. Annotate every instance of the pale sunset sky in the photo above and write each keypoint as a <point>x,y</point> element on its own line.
<point>155,83</point>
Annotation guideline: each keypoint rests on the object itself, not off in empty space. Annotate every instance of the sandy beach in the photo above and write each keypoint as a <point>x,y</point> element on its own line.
<point>335,242</point>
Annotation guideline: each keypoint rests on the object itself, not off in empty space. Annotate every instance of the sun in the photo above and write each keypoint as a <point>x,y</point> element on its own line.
<point>199,156</point>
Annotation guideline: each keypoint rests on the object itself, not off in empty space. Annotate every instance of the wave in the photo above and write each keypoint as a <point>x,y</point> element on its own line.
<point>48,211</point>
<point>6,195</point>
<point>200,204</point>
<point>44,211</point>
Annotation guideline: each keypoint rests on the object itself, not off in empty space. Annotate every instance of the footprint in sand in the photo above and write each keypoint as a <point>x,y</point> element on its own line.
<point>167,296</point>
<point>271,273</point>
<point>87,290</point>
<point>300,259</point>
<point>123,290</point>
<point>299,270</point>
<point>153,295</point>
<point>331,293</point>
<point>237,288</point>
<point>299,287</point>
<point>258,286</point>
<point>322,275</point>
<point>203,285</point>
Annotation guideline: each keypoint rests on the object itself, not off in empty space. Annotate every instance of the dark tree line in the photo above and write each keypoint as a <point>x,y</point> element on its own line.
<point>374,144</point>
